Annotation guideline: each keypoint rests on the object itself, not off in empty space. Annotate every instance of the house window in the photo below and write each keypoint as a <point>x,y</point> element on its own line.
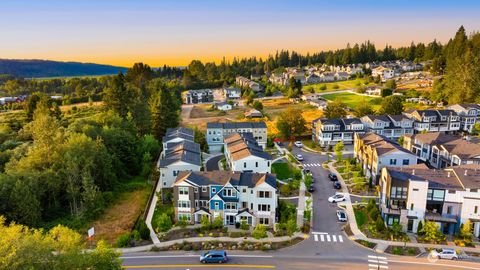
<point>214,190</point>
<point>175,173</point>
<point>183,190</point>
<point>196,203</point>
<point>244,204</point>
<point>264,194</point>
<point>263,207</point>
<point>411,206</point>
<point>184,204</point>
<point>406,162</point>
<point>256,164</point>
<point>244,164</point>
<point>264,221</point>
<point>476,210</point>
<point>204,189</point>
<point>474,190</point>
<point>451,192</point>
<point>217,206</point>
<point>184,216</point>
<point>393,161</point>
<point>449,209</point>
<point>244,190</point>
<point>195,190</point>
<point>415,189</point>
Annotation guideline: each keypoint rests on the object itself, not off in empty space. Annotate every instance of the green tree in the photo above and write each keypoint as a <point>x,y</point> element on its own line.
<point>257,105</point>
<point>432,233</point>
<point>466,230</point>
<point>391,84</point>
<point>335,109</point>
<point>164,223</point>
<point>259,232</point>
<point>392,105</point>
<point>291,226</point>
<point>205,222</point>
<point>164,112</point>
<point>339,150</point>
<point>291,123</point>
<point>363,108</point>
<point>117,96</point>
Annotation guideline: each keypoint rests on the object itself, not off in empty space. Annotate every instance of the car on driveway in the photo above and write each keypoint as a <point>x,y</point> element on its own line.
<point>298,144</point>
<point>214,256</point>
<point>311,188</point>
<point>337,185</point>
<point>341,215</point>
<point>332,177</point>
<point>299,157</point>
<point>445,253</point>
<point>337,198</point>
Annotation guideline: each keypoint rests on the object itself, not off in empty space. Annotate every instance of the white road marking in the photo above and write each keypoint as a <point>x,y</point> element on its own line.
<point>437,264</point>
<point>377,257</point>
<point>340,238</point>
<point>328,238</point>
<point>372,261</point>
<point>319,233</point>
<point>318,164</point>
<point>322,237</point>
<point>373,265</point>
<point>334,238</point>
<point>384,262</point>
<point>316,237</point>
<point>383,266</point>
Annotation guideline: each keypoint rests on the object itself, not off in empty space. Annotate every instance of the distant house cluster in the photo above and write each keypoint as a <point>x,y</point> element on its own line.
<point>198,96</point>
<point>249,84</point>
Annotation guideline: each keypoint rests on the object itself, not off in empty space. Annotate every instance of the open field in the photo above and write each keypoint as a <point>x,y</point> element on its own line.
<point>353,100</point>
<point>204,110</point>
<point>336,86</point>
<point>80,105</point>
<point>121,216</point>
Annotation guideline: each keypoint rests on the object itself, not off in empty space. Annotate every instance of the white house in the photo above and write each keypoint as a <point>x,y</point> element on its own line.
<point>217,131</point>
<point>232,93</point>
<point>175,135</point>
<point>178,157</point>
<point>244,155</point>
<point>469,115</point>
<point>223,106</point>
<point>327,132</point>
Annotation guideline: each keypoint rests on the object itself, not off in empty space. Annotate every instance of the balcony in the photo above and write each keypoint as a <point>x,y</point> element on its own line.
<point>392,210</point>
<point>437,217</point>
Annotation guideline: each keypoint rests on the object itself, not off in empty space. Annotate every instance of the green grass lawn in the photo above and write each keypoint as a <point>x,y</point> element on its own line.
<point>353,100</point>
<point>361,218</point>
<point>283,170</point>
<point>335,86</point>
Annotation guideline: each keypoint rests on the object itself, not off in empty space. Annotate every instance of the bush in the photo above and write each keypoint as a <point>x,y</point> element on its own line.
<point>420,228</point>
<point>164,222</point>
<point>237,225</point>
<point>379,224</point>
<point>217,223</point>
<point>143,230</point>
<point>323,87</point>
<point>335,86</point>
<point>397,251</point>
<point>124,240</point>
<point>259,232</point>
<point>136,235</point>
<point>244,225</point>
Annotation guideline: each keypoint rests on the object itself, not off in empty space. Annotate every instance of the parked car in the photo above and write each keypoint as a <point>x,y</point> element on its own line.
<point>332,177</point>
<point>341,215</point>
<point>299,157</point>
<point>445,253</point>
<point>311,188</point>
<point>336,198</point>
<point>337,185</point>
<point>214,256</point>
<point>306,171</point>
<point>298,144</point>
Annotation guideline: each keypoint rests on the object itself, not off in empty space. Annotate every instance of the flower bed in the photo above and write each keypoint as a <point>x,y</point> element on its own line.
<point>404,251</point>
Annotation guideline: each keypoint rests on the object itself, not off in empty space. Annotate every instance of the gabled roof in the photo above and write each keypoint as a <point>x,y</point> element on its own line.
<point>380,144</point>
<point>185,151</point>
<point>181,132</point>
<point>453,144</point>
<point>243,145</point>
<point>223,177</point>
<point>236,125</point>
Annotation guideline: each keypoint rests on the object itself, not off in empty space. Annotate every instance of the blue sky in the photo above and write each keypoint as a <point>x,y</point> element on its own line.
<point>174,32</point>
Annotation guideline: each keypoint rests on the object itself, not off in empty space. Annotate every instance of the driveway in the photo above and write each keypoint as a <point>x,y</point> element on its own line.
<point>212,163</point>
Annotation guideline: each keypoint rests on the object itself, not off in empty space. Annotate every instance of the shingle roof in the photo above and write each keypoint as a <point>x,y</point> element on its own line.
<point>181,132</point>
<point>453,144</point>
<point>381,144</point>
<point>223,177</point>
<point>185,151</point>
<point>244,145</point>
<point>236,125</point>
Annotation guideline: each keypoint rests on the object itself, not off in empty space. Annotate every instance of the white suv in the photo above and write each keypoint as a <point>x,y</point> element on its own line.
<point>298,144</point>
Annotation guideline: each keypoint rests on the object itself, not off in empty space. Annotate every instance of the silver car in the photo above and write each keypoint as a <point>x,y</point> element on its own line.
<point>445,253</point>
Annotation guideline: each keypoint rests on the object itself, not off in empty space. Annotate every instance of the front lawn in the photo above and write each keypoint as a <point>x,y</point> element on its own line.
<point>353,100</point>
<point>335,86</point>
<point>283,170</point>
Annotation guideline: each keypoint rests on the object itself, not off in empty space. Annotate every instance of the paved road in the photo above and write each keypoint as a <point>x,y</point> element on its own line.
<point>212,163</point>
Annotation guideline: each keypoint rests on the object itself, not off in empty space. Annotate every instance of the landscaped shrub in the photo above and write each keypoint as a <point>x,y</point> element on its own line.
<point>217,223</point>
<point>379,224</point>
<point>124,240</point>
<point>244,225</point>
<point>237,225</point>
<point>143,229</point>
<point>136,235</point>
<point>420,228</point>
<point>397,251</point>
<point>164,223</point>
<point>259,232</point>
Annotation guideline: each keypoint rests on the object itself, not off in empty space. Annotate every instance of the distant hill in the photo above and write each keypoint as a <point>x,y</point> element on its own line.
<point>46,68</point>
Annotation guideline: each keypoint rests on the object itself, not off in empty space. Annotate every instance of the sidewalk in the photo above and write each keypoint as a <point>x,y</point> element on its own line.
<point>382,244</point>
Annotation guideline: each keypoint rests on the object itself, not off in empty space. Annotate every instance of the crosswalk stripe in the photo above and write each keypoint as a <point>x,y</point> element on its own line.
<point>383,262</point>
<point>322,237</point>
<point>318,164</point>
<point>334,238</point>
<point>383,266</point>
<point>340,238</point>
<point>328,238</point>
<point>316,237</point>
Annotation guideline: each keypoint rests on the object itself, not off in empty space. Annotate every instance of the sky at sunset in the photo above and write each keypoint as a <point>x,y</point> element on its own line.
<point>175,32</point>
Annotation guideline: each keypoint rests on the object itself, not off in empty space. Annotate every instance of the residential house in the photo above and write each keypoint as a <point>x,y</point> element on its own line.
<point>175,135</point>
<point>442,150</point>
<point>341,76</point>
<point>233,196</point>
<point>178,157</point>
<point>374,152</point>
<point>311,96</point>
<point>384,73</point>
<point>327,76</point>
<point>247,83</point>
<point>420,100</point>
<point>223,106</point>
<point>217,131</point>
<point>198,96</point>
<point>390,126</point>
<point>469,115</point>
<point>434,120</point>
<point>232,93</point>
<point>253,114</point>
<point>327,132</point>
<point>243,154</point>
<point>373,91</point>
<point>319,104</point>
<point>312,79</point>
<point>449,197</point>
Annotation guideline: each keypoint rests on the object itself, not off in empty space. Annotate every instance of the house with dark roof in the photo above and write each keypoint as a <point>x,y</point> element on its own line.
<point>178,157</point>
<point>434,120</point>
<point>174,135</point>
<point>442,150</point>
<point>234,197</point>
<point>327,132</point>
<point>217,131</point>
<point>198,96</point>
<point>375,151</point>
<point>390,126</point>
<point>449,197</point>
<point>469,115</point>
<point>253,114</point>
<point>243,154</point>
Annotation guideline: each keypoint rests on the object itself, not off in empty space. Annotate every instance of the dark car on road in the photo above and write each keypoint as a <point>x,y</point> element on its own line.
<point>332,177</point>
<point>306,171</point>
<point>214,256</point>
<point>337,185</point>
<point>311,189</point>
